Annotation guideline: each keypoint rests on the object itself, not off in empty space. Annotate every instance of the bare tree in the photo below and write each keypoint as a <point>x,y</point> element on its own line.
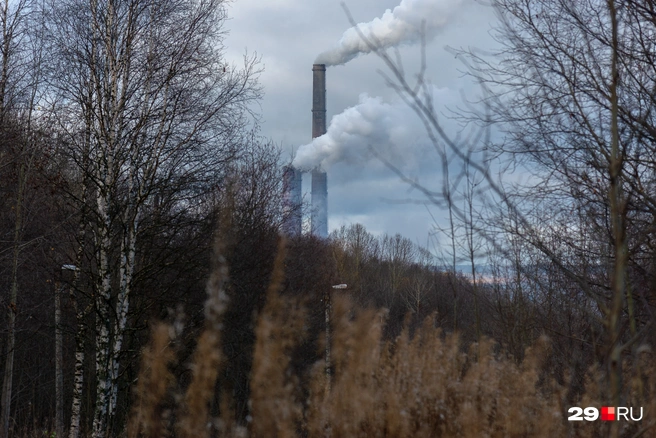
<point>397,253</point>
<point>577,102</point>
<point>354,247</point>
<point>420,282</point>
<point>574,87</point>
<point>20,84</point>
<point>150,113</point>
<point>472,243</point>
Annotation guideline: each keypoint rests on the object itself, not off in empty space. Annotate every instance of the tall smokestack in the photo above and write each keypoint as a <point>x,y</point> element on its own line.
<point>318,100</point>
<point>291,207</point>
<point>319,217</point>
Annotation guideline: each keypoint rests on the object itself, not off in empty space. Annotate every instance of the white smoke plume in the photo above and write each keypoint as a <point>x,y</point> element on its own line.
<point>392,130</point>
<point>403,25</point>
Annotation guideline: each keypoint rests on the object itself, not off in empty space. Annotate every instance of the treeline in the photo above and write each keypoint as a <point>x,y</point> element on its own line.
<point>122,129</point>
<point>512,301</point>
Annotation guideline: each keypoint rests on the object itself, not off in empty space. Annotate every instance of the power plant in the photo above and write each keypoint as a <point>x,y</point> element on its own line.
<point>292,216</point>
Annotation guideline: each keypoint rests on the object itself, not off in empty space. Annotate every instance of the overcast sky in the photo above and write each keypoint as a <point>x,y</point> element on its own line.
<point>290,34</point>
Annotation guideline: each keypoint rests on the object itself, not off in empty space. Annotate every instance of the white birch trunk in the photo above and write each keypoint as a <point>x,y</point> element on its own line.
<point>80,336</point>
<point>78,379</point>
<point>122,305</point>
<point>103,296</point>
<point>104,127</point>
<point>59,361</point>
<point>80,315</point>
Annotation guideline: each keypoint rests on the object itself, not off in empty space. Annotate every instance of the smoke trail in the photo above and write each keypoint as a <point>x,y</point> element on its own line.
<point>391,129</point>
<point>400,26</point>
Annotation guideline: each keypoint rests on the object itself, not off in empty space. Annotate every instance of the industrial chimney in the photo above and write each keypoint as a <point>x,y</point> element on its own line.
<point>319,216</point>
<point>291,207</point>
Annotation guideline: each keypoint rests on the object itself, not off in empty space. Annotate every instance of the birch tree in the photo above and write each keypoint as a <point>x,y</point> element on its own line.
<point>420,282</point>
<point>147,98</point>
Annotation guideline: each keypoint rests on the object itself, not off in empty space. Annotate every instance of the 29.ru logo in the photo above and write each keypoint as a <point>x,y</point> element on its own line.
<point>608,413</point>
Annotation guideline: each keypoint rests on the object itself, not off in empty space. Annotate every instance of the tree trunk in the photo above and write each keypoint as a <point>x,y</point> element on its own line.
<point>618,226</point>
<point>122,305</point>
<point>80,335</point>
<point>13,310</point>
<point>78,379</point>
<point>59,360</point>
<point>103,340</point>
<point>81,315</point>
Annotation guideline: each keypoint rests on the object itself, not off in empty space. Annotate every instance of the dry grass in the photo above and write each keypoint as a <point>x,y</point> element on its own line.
<point>423,385</point>
<point>274,395</point>
<point>149,417</point>
<point>426,386</point>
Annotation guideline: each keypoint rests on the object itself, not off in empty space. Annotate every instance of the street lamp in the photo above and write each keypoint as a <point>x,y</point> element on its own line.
<point>328,310</point>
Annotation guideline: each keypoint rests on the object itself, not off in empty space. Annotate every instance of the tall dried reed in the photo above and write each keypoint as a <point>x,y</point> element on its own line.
<point>426,386</point>
<point>155,379</point>
<point>153,387</point>
<point>194,412</point>
<point>274,396</point>
<point>420,385</point>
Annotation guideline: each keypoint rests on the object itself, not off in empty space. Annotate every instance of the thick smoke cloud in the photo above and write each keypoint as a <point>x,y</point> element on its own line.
<point>402,25</point>
<point>392,130</point>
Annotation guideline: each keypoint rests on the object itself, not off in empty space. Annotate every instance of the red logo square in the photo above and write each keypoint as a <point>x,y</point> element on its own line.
<point>607,413</point>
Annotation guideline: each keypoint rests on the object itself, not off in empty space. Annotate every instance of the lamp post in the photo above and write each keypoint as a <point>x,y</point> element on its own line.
<point>328,310</point>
